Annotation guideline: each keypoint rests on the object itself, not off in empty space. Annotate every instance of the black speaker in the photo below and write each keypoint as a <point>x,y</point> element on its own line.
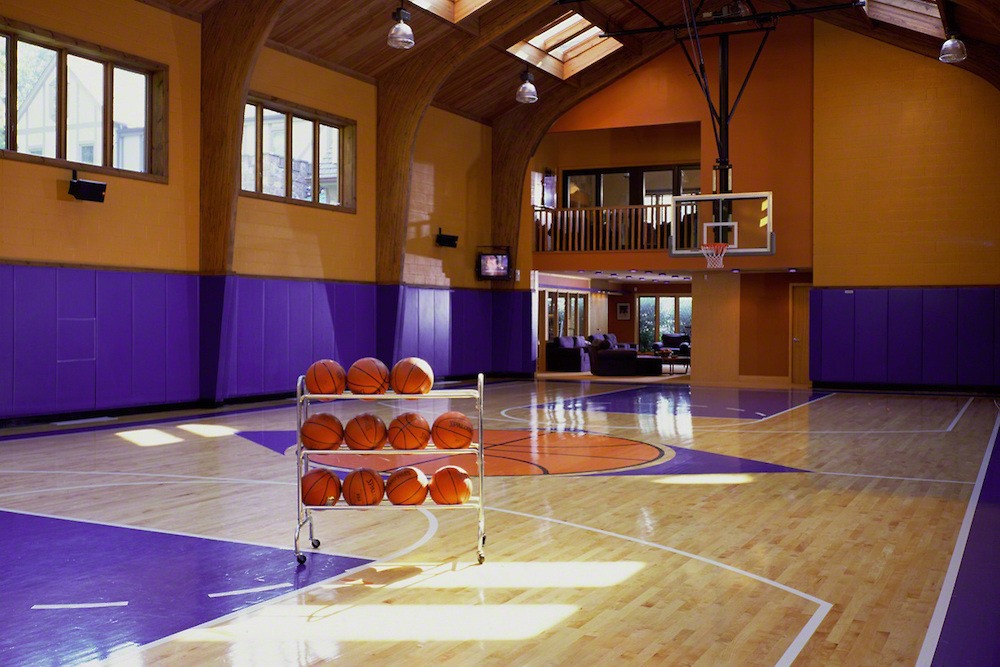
<point>446,240</point>
<point>87,190</point>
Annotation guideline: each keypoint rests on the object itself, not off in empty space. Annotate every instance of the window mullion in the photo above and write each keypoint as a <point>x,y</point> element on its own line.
<point>11,84</point>
<point>289,120</point>
<point>315,169</point>
<point>107,120</point>
<point>259,149</point>
<point>62,94</point>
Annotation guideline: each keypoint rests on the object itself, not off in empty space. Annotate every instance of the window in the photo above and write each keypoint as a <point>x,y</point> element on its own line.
<point>84,104</point>
<point>567,314</point>
<point>565,46</point>
<point>297,155</point>
<point>662,314</point>
<point>629,186</point>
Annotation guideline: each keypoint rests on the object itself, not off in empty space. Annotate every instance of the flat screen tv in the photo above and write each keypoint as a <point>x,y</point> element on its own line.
<point>493,265</point>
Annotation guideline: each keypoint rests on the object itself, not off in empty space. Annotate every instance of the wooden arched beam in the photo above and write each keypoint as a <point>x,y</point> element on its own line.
<point>987,9</point>
<point>517,133</point>
<point>404,93</point>
<point>233,33</point>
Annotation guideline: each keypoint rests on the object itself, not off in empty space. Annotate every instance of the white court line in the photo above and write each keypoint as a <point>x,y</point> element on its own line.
<point>244,591</point>
<point>948,587</point>
<point>91,420</point>
<point>81,605</point>
<point>735,410</point>
<point>801,638</point>
<point>902,479</point>
<point>961,412</point>
<point>539,406</point>
<point>77,473</point>
<point>432,526</point>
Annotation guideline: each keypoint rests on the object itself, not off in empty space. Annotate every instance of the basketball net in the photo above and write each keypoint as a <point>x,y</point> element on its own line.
<point>714,253</point>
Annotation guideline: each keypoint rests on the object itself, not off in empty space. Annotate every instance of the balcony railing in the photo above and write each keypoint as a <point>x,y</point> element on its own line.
<point>680,226</point>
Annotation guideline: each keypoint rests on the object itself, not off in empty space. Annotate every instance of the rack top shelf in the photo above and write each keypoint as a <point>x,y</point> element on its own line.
<point>393,396</point>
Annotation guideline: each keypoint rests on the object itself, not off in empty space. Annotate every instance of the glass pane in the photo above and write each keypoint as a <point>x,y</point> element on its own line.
<point>3,92</point>
<point>690,181</point>
<point>571,316</point>
<point>302,159</point>
<point>274,152</point>
<point>666,314</point>
<point>36,100</point>
<point>329,164</point>
<point>248,152</point>
<point>553,331</point>
<point>561,314</point>
<point>647,322</point>
<point>581,191</point>
<point>581,315</point>
<point>130,102</point>
<point>684,307</point>
<point>84,110</point>
<point>614,189</point>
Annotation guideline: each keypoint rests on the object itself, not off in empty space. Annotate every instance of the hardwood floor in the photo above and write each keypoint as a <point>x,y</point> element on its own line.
<point>809,528</point>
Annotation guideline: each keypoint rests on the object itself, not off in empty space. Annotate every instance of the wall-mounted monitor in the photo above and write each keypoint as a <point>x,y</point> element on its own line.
<point>493,265</point>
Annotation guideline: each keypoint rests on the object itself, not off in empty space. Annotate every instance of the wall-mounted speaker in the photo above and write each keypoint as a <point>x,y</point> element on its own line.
<point>446,240</point>
<point>87,190</point>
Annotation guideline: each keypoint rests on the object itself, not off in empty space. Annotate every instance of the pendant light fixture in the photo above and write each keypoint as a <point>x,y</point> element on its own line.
<point>953,50</point>
<point>401,34</point>
<point>527,94</point>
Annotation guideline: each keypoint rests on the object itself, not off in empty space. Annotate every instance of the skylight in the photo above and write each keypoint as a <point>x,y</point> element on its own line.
<point>451,10</point>
<point>918,15</point>
<point>566,46</point>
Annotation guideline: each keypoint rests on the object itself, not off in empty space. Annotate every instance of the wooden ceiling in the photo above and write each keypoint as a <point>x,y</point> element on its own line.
<point>350,35</point>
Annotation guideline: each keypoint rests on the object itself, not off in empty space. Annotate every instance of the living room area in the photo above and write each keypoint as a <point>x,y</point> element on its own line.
<point>631,326</point>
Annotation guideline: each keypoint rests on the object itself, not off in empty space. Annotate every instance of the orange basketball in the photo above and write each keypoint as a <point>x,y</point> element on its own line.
<point>365,431</point>
<point>363,486</point>
<point>321,431</point>
<point>368,376</point>
<point>452,430</point>
<point>320,487</point>
<point>411,375</point>
<point>409,431</point>
<point>325,376</point>
<point>450,485</point>
<point>406,486</point>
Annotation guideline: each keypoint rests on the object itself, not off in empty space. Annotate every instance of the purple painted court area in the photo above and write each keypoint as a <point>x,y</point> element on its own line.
<point>165,579</point>
<point>679,400</point>
<point>971,631</point>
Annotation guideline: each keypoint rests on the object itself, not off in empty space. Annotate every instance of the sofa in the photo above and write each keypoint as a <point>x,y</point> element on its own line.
<point>606,360</point>
<point>567,354</point>
<point>673,342</point>
<point>612,339</point>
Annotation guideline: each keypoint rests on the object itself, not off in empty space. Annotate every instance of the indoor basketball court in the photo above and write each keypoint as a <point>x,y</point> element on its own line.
<point>658,524</point>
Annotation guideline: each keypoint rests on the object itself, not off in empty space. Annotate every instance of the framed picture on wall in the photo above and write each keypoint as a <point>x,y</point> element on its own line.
<point>624,311</point>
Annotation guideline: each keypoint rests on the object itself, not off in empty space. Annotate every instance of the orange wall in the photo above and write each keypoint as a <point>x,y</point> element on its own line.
<point>450,190</point>
<point>907,154</point>
<point>765,311</point>
<point>278,239</point>
<point>141,224</point>
<point>621,147</point>
<point>770,136</point>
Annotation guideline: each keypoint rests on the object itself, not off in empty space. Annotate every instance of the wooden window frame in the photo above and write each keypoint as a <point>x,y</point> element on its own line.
<point>346,153</point>
<point>635,179</point>
<point>156,158</point>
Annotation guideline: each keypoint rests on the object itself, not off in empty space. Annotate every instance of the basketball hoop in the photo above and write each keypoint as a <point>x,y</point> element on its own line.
<point>713,253</point>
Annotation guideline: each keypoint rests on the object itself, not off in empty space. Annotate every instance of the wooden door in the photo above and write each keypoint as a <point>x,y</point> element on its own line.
<point>800,334</point>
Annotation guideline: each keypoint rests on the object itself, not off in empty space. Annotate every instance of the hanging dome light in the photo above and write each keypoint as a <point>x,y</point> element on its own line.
<point>953,50</point>
<point>401,34</point>
<point>527,94</point>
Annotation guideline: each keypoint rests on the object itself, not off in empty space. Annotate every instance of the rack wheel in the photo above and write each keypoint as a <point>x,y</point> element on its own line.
<point>301,558</point>
<point>315,543</point>
<point>481,558</point>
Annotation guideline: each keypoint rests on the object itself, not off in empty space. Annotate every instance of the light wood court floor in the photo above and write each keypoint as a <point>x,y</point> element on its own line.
<point>838,559</point>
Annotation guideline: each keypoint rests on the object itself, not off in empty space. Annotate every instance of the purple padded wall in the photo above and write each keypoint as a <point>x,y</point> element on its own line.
<point>905,336</point>
<point>838,336</point>
<point>114,339</point>
<point>472,331</point>
<point>514,348</point>
<point>6,341</point>
<point>183,356</point>
<point>871,313</point>
<point>817,298</point>
<point>76,332</point>
<point>996,337</point>
<point>35,381</point>
<point>940,328</point>
<point>975,354</point>
<point>149,348</point>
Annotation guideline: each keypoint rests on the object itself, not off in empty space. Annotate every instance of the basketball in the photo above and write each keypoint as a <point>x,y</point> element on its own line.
<point>325,376</point>
<point>320,487</point>
<point>363,486</point>
<point>406,486</point>
<point>409,431</point>
<point>365,431</point>
<point>321,431</point>
<point>452,430</point>
<point>411,375</point>
<point>368,376</point>
<point>450,485</point>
